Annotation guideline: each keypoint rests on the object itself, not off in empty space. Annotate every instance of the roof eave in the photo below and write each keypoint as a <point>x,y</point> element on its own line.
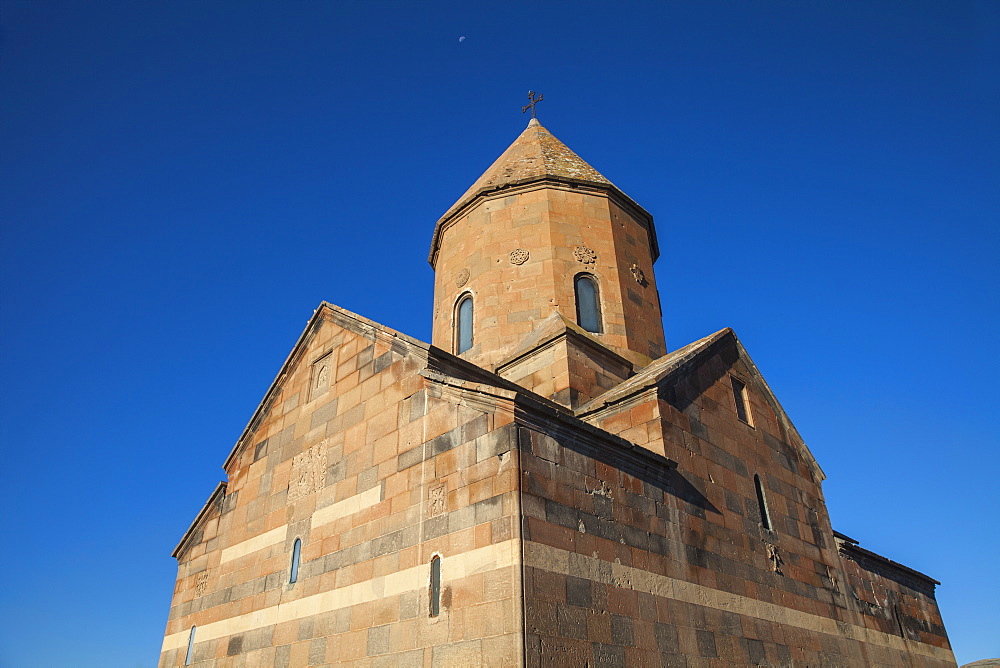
<point>849,545</point>
<point>639,384</point>
<point>349,320</point>
<point>213,500</point>
<point>466,204</point>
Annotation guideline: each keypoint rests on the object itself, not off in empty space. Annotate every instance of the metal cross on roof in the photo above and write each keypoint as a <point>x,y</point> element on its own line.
<point>532,101</point>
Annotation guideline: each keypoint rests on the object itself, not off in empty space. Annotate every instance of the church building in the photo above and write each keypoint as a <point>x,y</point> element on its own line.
<point>544,484</point>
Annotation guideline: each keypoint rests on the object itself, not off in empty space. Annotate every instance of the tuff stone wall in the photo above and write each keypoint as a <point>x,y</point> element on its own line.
<point>592,500</point>
<point>560,542</point>
<point>513,294</point>
<point>569,368</point>
<point>361,459</point>
<point>893,598</point>
<point>645,567</point>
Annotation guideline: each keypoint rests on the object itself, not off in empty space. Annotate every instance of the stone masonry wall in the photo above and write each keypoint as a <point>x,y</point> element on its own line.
<point>361,459</point>
<point>892,598</point>
<point>513,294</point>
<point>643,567</point>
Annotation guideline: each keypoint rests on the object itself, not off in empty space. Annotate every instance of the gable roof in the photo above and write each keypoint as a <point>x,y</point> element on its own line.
<point>342,317</point>
<point>214,502</point>
<point>434,359</point>
<point>558,326</point>
<point>652,374</point>
<point>664,371</point>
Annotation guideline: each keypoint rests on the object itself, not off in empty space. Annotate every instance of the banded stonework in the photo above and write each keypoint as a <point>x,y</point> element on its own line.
<point>592,499</point>
<point>349,474</point>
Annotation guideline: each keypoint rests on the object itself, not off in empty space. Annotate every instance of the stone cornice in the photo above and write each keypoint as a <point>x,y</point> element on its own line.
<point>849,547</point>
<point>568,334</point>
<point>548,181</point>
<point>214,502</point>
<point>540,414</point>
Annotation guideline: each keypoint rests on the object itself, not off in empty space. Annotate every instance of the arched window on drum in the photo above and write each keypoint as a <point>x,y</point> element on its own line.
<point>463,323</point>
<point>588,303</point>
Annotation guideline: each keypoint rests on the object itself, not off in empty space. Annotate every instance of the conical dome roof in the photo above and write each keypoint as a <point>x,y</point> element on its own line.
<point>535,153</point>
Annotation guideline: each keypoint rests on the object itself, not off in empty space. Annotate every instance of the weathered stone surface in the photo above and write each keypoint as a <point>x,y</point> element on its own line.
<point>585,498</point>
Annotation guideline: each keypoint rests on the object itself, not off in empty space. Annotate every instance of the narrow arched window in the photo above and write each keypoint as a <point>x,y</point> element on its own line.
<point>296,554</point>
<point>588,303</point>
<point>435,586</point>
<point>765,517</point>
<point>463,324</point>
<point>740,399</point>
<point>190,652</point>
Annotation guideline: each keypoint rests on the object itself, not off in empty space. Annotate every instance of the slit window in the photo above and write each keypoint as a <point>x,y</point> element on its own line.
<point>588,304</point>
<point>740,399</point>
<point>463,324</point>
<point>190,650</point>
<point>435,586</point>
<point>765,517</point>
<point>296,555</point>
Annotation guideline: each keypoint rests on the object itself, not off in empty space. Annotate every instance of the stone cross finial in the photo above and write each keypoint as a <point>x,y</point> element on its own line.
<point>532,101</point>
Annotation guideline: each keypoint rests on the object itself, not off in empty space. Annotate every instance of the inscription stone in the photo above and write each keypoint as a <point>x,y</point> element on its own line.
<point>437,500</point>
<point>308,472</point>
<point>202,585</point>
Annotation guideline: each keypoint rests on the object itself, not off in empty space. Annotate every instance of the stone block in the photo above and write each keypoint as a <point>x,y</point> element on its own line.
<point>378,640</point>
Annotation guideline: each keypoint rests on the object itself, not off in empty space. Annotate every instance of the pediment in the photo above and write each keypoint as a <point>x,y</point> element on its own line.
<point>666,375</point>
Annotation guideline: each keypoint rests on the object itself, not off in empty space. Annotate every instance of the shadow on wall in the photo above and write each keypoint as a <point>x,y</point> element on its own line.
<point>654,474</point>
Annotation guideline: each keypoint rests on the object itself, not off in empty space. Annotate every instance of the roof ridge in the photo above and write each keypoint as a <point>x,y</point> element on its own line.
<point>652,373</point>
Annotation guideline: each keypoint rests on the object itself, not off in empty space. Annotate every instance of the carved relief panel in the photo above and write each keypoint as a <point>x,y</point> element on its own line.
<point>320,378</point>
<point>308,472</point>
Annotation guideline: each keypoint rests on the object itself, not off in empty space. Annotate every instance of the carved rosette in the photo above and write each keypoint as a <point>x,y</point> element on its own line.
<point>637,274</point>
<point>518,256</point>
<point>585,255</point>
<point>461,278</point>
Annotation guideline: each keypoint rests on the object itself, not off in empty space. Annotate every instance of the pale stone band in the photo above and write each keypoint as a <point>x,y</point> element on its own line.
<point>325,515</point>
<point>481,560</point>
<point>544,557</point>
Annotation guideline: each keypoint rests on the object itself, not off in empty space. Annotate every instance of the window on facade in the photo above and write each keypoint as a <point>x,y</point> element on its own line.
<point>740,397</point>
<point>463,324</point>
<point>190,652</point>
<point>435,586</point>
<point>588,305</point>
<point>765,517</point>
<point>296,555</point>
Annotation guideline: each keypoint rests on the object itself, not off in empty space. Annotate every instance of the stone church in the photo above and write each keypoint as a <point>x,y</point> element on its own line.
<point>544,484</point>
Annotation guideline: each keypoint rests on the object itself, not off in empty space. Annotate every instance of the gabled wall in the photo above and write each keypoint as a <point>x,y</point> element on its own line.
<point>648,567</point>
<point>376,469</point>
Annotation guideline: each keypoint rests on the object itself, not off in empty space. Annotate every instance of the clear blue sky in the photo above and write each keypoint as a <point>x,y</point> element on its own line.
<point>181,183</point>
